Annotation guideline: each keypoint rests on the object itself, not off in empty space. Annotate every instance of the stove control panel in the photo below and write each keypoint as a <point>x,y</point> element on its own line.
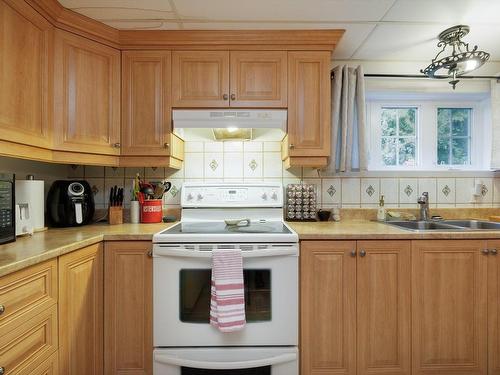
<point>232,195</point>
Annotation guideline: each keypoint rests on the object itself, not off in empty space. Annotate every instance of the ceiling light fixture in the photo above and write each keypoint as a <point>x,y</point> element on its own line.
<point>460,59</point>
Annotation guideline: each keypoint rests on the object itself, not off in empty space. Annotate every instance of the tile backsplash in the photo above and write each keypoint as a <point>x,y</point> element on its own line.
<point>261,161</point>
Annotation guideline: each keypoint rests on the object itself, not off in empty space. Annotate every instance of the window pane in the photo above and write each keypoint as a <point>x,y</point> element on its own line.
<point>460,150</point>
<point>444,150</point>
<point>407,150</point>
<point>389,151</point>
<point>453,144</point>
<point>460,122</point>
<point>388,121</point>
<point>406,121</point>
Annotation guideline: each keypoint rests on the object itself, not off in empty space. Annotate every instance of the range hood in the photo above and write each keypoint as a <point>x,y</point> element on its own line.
<point>226,124</point>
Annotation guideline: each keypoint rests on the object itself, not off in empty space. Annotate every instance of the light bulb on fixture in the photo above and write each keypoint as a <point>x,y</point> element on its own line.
<point>232,129</point>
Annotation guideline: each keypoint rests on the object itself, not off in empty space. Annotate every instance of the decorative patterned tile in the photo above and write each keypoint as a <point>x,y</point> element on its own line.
<point>97,186</point>
<point>214,165</point>
<point>252,165</point>
<point>331,191</point>
<point>445,191</point>
<point>408,191</point>
<point>487,191</point>
<point>370,191</point>
<point>351,191</point>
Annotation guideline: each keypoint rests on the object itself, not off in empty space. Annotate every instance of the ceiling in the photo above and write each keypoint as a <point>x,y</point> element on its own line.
<point>389,30</point>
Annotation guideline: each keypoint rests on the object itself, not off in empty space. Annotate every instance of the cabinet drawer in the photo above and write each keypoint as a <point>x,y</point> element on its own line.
<point>48,367</point>
<point>32,288</point>
<point>29,344</point>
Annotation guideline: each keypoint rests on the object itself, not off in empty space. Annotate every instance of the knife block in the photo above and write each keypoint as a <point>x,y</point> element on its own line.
<point>115,215</point>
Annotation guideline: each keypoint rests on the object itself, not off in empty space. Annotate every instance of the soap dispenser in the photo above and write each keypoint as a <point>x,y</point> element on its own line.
<point>381,209</point>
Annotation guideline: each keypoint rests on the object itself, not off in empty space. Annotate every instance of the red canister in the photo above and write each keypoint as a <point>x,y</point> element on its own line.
<point>152,211</point>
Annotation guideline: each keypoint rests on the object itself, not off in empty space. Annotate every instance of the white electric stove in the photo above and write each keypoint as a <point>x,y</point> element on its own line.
<point>245,216</point>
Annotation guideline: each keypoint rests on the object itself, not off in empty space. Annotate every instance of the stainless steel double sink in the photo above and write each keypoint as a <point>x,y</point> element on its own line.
<point>446,225</point>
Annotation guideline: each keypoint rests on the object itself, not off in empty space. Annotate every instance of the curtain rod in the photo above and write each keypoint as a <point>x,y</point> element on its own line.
<point>422,76</point>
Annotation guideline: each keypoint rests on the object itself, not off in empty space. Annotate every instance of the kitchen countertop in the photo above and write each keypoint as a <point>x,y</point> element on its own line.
<point>27,251</point>
<point>30,250</point>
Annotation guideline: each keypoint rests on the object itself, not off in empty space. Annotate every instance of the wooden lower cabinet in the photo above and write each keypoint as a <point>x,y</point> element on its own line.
<point>48,367</point>
<point>383,307</point>
<point>449,307</point>
<point>494,308</point>
<point>128,296</point>
<point>355,307</point>
<point>81,312</point>
<point>328,307</point>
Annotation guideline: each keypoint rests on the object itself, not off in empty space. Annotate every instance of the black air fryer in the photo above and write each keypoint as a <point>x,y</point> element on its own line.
<point>70,203</point>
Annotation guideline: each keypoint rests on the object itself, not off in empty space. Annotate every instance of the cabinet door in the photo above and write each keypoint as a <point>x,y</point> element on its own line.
<point>146,110</point>
<point>309,103</point>
<point>25,68</point>
<point>200,79</point>
<point>128,295</point>
<point>87,96</point>
<point>81,312</point>
<point>258,79</point>
<point>494,308</point>
<point>383,307</point>
<point>449,297</point>
<point>328,307</point>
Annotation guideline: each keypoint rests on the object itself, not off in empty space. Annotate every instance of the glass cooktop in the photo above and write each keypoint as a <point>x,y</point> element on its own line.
<point>219,227</point>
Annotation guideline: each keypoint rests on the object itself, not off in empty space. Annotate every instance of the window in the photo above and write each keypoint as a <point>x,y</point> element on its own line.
<point>427,135</point>
<point>454,138</point>
<point>399,136</point>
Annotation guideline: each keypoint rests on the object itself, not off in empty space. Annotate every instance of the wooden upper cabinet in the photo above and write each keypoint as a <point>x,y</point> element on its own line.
<point>449,307</point>
<point>25,71</point>
<point>87,96</point>
<point>494,308</point>
<point>328,307</point>
<point>81,290</point>
<point>383,307</point>
<point>309,104</point>
<point>200,79</point>
<point>146,107</point>
<point>258,79</point>
<point>128,295</point>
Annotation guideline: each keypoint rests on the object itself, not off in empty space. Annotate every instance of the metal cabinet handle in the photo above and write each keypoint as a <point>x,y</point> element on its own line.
<point>150,253</point>
<point>493,251</point>
<point>166,145</point>
<point>485,251</point>
<point>2,310</point>
<point>292,146</point>
<point>2,370</point>
<point>233,97</point>
<point>225,97</point>
<point>362,253</point>
<point>353,253</point>
<point>117,145</point>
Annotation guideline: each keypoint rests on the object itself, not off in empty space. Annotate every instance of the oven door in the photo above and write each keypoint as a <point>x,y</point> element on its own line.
<point>181,295</point>
<point>227,361</point>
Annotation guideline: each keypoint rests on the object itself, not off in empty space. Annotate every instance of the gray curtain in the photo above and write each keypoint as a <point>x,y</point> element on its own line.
<point>348,121</point>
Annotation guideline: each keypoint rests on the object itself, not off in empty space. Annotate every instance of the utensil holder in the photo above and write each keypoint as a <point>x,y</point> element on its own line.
<point>152,211</point>
<point>115,215</point>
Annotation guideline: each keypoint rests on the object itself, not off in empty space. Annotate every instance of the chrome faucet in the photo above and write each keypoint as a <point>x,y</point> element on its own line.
<point>423,201</point>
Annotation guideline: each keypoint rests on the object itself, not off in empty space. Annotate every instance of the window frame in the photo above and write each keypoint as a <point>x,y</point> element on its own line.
<point>427,132</point>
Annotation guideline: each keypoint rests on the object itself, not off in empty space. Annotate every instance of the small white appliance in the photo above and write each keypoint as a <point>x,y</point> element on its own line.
<point>244,216</point>
<point>24,220</point>
<point>30,196</point>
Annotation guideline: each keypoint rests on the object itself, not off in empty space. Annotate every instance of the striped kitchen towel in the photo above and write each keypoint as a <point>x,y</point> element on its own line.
<point>227,302</point>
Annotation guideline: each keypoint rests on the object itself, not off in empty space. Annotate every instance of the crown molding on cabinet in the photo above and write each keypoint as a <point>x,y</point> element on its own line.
<point>76,23</point>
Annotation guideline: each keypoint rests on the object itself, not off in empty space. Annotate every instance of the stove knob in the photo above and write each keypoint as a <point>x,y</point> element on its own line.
<point>190,197</point>
<point>200,197</point>
<point>264,196</point>
<point>274,196</point>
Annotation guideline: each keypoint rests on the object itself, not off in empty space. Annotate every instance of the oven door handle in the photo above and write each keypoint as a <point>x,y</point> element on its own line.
<point>183,362</point>
<point>169,252</point>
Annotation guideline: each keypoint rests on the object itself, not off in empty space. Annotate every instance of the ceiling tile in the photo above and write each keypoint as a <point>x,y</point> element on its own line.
<point>133,4</point>
<point>354,36</point>
<point>125,14</point>
<point>285,10</point>
<point>143,25</point>
<point>445,11</point>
